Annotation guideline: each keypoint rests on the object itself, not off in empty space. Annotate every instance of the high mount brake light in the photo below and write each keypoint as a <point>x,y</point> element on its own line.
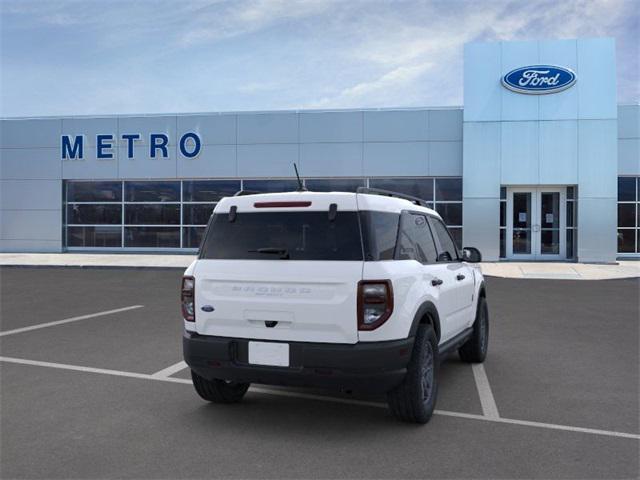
<point>375,303</point>
<point>281,204</point>
<point>187,298</point>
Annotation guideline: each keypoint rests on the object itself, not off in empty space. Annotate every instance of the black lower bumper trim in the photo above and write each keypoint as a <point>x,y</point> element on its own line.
<point>372,367</point>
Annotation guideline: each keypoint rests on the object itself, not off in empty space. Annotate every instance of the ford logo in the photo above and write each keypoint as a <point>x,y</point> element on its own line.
<point>539,79</point>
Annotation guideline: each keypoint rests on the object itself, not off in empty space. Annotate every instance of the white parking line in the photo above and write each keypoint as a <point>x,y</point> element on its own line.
<point>284,393</point>
<point>78,368</point>
<point>67,320</point>
<point>488,403</point>
<point>167,372</point>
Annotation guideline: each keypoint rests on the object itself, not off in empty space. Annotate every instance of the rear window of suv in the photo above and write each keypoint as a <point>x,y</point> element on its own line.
<point>283,235</point>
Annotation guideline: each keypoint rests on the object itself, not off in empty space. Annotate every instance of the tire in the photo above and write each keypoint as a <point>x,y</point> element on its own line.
<point>474,350</point>
<point>218,391</point>
<point>415,398</point>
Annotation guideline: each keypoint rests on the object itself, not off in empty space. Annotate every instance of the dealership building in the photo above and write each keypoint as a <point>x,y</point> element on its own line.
<point>541,163</point>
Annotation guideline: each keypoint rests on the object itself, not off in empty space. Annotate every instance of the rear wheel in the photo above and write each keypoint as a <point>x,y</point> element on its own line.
<point>218,391</point>
<point>474,350</point>
<point>415,398</point>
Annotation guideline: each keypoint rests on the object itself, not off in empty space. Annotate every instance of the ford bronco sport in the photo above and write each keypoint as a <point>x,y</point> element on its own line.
<point>358,291</point>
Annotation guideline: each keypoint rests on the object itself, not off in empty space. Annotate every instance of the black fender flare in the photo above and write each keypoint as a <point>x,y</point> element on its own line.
<point>426,310</point>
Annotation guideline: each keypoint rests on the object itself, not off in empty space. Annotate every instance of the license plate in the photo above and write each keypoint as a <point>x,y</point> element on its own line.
<point>269,353</point>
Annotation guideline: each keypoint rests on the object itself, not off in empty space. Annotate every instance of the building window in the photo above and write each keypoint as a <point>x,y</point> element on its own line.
<point>503,222</point>
<point>172,214</point>
<point>199,198</point>
<point>628,215</point>
<point>571,222</point>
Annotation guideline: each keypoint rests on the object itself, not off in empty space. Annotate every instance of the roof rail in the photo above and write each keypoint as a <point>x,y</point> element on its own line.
<point>242,193</point>
<point>389,193</point>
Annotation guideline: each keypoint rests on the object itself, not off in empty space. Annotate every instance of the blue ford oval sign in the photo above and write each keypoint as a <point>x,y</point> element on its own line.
<point>539,79</point>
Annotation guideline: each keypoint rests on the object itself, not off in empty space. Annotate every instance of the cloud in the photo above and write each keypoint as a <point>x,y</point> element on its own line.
<point>391,81</point>
<point>226,20</point>
<point>90,57</point>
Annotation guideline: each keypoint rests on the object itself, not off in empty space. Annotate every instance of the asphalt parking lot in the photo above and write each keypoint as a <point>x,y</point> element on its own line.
<point>103,395</point>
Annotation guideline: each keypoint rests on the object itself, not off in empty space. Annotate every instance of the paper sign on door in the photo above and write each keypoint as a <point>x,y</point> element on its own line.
<point>548,218</point>
<point>522,217</point>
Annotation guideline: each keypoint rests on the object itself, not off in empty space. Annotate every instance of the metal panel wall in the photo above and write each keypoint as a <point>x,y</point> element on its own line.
<point>30,186</point>
<point>564,138</point>
<point>629,140</point>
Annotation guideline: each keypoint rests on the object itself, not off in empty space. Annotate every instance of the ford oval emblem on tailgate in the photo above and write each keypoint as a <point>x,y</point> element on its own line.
<point>207,308</point>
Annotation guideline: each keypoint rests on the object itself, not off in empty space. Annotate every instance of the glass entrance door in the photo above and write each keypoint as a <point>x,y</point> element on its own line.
<point>536,223</point>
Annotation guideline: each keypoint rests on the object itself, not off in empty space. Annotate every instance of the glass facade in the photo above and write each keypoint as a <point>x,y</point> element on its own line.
<point>628,215</point>
<point>572,221</point>
<point>173,214</point>
<point>503,222</point>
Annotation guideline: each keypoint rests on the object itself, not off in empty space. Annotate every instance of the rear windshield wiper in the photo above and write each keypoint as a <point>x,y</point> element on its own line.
<point>283,252</point>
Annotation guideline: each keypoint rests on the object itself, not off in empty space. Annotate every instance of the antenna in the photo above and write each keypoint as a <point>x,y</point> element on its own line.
<point>301,187</point>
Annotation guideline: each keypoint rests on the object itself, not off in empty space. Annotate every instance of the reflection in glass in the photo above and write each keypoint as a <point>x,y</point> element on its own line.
<point>550,210</point>
<point>570,213</point>
<point>152,191</point>
<point>451,213</point>
<point>192,236</point>
<point>94,237</point>
<point>456,233</point>
<point>503,243</point>
<point>334,184</point>
<point>94,214</point>
<point>152,214</point>
<point>503,214</point>
<point>569,243</point>
<point>94,191</point>
<point>208,190</point>
<point>522,210</point>
<point>550,242</point>
<point>626,214</point>
<point>626,189</point>
<point>448,189</point>
<point>626,241</point>
<point>521,223</point>
<point>270,186</point>
<point>156,237</point>
<point>521,241</point>
<point>197,214</point>
<point>416,187</point>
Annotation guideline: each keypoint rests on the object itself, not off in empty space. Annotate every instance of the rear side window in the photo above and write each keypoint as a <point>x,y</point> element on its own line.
<point>283,236</point>
<point>380,231</point>
<point>447,250</point>
<point>415,241</point>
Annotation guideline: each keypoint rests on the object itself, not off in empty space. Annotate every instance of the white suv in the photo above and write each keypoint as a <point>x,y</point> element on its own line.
<point>357,291</point>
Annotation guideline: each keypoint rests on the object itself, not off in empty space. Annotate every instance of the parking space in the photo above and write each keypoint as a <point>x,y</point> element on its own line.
<point>33,296</point>
<point>82,399</point>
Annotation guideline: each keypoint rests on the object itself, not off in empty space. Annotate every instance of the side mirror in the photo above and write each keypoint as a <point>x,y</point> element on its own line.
<point>471,254</point>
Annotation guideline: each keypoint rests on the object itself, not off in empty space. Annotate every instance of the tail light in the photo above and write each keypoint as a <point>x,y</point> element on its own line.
<point>187,298</point>
<point>375,303</point>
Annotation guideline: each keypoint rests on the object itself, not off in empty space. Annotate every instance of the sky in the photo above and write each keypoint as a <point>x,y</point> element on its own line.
<point>97,57</point>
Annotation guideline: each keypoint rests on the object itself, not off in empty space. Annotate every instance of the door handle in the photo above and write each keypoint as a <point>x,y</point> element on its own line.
<point>436,281</point>
<point>460,277</point>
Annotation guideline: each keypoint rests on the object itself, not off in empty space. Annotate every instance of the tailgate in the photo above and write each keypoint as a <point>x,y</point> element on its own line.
<point>306,301</point>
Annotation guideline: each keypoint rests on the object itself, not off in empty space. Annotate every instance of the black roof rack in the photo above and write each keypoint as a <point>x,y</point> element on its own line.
<point>389,193</point>
<point>242,193</point>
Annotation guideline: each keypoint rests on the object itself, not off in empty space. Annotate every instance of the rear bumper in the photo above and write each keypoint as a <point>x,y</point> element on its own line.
<point>365,367</point>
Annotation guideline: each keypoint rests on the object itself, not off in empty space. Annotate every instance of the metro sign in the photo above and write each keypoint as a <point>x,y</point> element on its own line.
<point>72,146</point>
<point>539,79</point>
